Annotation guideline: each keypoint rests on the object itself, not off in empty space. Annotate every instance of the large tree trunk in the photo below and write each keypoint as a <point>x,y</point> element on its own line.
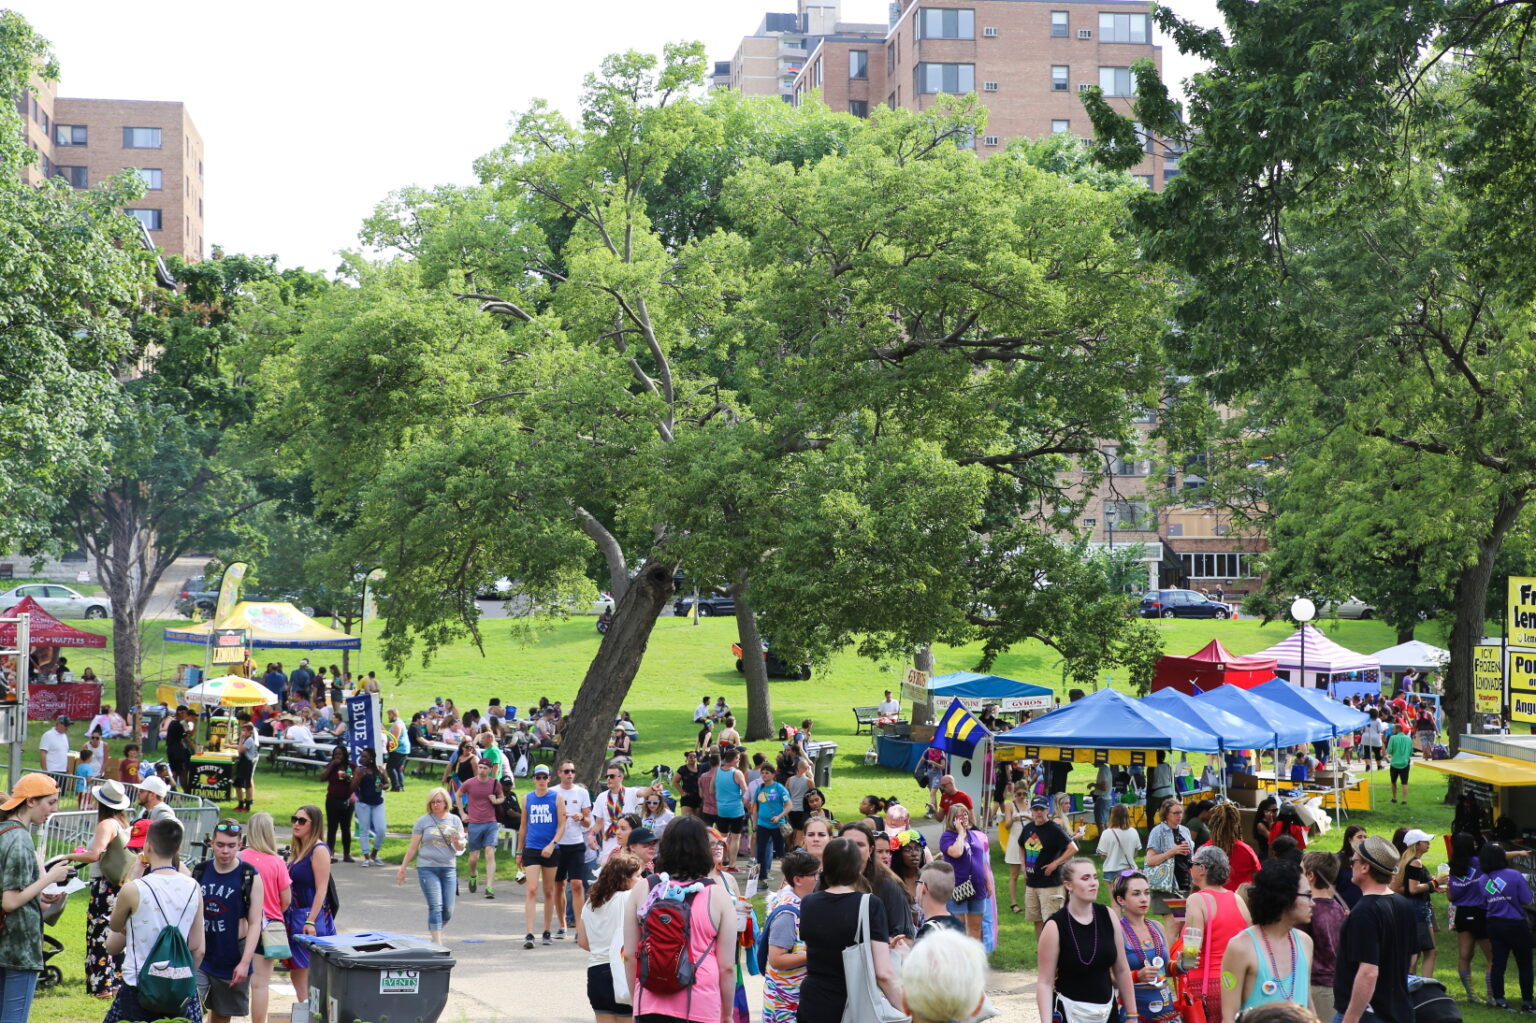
<point>754,668</point>
<point>922,711</point>
<point>116,567</point>
<point>613,670</point>
<point>1405,633</point>
<point>1471,596</point>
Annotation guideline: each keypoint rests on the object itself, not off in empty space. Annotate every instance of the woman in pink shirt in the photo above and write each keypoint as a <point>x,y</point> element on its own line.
<point>261,852</point>
<point>683,864</point>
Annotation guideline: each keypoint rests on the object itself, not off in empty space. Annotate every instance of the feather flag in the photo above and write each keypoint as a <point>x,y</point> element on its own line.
<point>958,732</point>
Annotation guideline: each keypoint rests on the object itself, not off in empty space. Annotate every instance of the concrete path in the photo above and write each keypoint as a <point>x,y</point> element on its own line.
<point>495,980</point>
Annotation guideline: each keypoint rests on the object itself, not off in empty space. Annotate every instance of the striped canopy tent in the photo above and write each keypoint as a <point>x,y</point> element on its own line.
<point>272,626</point>
<point>1326,663</point>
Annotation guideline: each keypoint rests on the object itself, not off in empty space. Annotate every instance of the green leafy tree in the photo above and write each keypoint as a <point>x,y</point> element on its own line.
<point>74,276</point>
<point>164,486</point>
<point>1345,218</point>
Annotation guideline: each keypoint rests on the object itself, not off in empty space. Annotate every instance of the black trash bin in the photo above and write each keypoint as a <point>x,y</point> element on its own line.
<point>379,977</point>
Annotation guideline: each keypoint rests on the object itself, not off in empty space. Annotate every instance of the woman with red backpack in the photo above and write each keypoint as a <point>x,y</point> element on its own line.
<point>680,934</point>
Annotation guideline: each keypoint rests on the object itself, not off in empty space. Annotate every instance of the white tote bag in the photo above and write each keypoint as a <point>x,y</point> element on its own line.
<point>866,1002</point>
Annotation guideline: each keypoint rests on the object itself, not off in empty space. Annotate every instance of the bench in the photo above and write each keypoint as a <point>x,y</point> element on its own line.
<point>304,762</point>
<point>424,766</point>
<point>866,718</point>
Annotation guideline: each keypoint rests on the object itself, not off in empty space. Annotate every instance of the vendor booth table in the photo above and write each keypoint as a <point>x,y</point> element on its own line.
<point>213,774</point>
<point>1499,772</point>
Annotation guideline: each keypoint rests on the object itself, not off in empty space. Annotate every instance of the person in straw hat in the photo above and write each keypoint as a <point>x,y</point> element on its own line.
<point>109,851</point>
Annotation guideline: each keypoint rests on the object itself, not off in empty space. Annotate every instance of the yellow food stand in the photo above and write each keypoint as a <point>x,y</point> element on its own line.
<point>1499,771</point>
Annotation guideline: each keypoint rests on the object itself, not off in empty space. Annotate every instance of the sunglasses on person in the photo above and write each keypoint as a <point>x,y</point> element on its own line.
<point>615,777</point>
<point>228,827</point>
<point>653,802</point>
<point>298,819</point>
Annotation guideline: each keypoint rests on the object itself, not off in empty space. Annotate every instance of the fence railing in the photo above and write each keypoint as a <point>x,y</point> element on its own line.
<point>68,830</point>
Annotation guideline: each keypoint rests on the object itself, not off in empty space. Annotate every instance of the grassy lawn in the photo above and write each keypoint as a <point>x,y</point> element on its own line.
<point>686,661</point>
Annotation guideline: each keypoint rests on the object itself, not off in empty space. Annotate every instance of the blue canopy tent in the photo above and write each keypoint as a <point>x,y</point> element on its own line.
<point>1111,720</point>
<point>1313,703</point>
<point>1282,725</point>
<point>1233,731</point>
<point>975,691</point>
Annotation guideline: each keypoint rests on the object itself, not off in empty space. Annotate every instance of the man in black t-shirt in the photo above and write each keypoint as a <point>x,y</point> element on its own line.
<point>1377,942</point>
<point>1046,847</point>
<point>178,746</point>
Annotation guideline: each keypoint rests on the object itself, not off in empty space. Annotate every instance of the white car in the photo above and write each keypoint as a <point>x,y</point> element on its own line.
<point>1352,607</point>
<point>60,601</point>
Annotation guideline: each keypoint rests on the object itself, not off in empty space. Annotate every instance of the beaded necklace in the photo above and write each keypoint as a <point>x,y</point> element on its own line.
<point>1287,993</point>
<point>1093,924</point>
<point>1154,938</point>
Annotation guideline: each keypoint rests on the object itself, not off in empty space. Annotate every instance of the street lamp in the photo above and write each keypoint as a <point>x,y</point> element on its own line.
<point>1303,611</point>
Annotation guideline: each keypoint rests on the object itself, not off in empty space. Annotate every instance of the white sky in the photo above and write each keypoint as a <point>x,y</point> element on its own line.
<point>311,112</point>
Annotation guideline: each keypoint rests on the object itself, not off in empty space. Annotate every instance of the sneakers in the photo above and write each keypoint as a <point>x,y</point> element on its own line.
<point>471,886</point>
<point>546,937</point>
<point>521,877</point>
<point>559,935</point>
<point>488,893</point>
<point>527,941</point>
<point>366,862</point>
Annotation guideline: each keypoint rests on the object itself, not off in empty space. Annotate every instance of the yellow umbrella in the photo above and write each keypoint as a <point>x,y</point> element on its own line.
<point>230,691</point>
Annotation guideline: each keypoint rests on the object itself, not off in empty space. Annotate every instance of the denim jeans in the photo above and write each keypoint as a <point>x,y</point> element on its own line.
<point>439,885</point>
<point>16,990</point>
<point>770,843</point>
<point>370,823</point>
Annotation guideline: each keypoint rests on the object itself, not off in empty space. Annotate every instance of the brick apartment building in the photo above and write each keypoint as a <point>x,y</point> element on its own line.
<point>1136,504</point>
<point>1026,59</point>
<point>86,141</point>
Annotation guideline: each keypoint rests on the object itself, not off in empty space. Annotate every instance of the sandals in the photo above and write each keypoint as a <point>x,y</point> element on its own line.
<point>1015,908</point>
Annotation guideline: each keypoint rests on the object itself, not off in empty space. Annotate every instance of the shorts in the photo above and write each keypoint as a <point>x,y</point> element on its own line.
<point>600,992</point>
<point>731,825</point>
<point>536,858</point>
<point>975,904</point>
<point>1398,774</point>
<point>244,771</point>
<point>1472,920</point>
<point>692,802</point>
<point>708,818</point>
<point>797,819</point>
<point>571,862</point>
<point>220,996</point>
<point>1041,903</point>
<point>483,836</point>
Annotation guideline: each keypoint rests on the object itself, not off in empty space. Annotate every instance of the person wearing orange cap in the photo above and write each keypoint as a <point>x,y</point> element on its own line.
<point>30,803</point>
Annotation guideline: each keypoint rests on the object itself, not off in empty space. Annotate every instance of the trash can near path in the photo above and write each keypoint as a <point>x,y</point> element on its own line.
<point>821,754</point>
<point>375,976</point>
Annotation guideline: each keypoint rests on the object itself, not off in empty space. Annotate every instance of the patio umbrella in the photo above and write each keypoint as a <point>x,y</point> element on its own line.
<point>230,691</point>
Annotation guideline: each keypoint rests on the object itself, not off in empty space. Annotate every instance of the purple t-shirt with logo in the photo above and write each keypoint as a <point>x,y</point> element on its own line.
<point>1506,894</point>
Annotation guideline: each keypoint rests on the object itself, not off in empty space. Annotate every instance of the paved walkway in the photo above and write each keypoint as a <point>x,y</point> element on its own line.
<point>495,980</point>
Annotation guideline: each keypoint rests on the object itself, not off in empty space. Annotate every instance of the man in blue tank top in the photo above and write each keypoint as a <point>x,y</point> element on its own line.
<point>730,795</point>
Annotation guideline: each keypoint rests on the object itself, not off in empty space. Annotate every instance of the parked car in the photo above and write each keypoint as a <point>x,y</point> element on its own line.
<point>1181,604</point>
<point>59,601</point>
<point>1350,607</point>
<point>709,604</point>
<point>777,668</point>
<point>201,601</point>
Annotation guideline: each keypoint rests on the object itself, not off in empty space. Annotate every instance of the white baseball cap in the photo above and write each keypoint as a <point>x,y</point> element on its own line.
<point>155,785</point>
<point>1414,836</point>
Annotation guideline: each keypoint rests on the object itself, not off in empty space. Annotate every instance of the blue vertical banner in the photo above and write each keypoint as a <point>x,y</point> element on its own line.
<point>365,727</point>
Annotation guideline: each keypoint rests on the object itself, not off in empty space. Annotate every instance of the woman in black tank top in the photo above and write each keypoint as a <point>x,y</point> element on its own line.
<point>1081,957</point>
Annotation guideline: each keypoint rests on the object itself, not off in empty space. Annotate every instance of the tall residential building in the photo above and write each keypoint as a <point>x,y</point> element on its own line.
<point>86,141</point>
<point>768,61</point>
<point>1026,59</point>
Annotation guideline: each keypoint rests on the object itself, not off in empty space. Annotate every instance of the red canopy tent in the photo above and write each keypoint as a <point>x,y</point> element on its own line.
<point>46,629</point>
<point>1212,666</point>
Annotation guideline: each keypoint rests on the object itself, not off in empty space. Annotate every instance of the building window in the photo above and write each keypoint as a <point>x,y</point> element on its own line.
<point>47,124</point>
<point>818,72</point>
<point>1061,127</point>
<point>1116,81</point>
<point>76,176</point>
<point>1059,75</point>
<point>149,218</point>
<point>1216,566</point>
<point>1059,24</point>
<point>69,135</point>
<point>1128,514</point>
<point>890,101</point>
<point>953,78</point>
<point>890,59</point>
<point>141,138</point>
<point>1145,179</point>
<point>1120,466</point>
<point>939,23</point>
<point>1169,175</point>
<point>856,107</point>
<point>1123,28</point>
<point>858,63</point>
<point>153,178</point>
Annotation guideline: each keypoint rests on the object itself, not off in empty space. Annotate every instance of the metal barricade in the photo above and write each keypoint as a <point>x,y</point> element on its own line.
<point>68,830</point>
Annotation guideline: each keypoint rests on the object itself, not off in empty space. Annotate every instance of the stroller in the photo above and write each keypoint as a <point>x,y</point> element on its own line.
<point>51,975</point>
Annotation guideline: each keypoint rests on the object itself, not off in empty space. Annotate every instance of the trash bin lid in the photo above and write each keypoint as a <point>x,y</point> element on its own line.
<point>432,959</point>
<point>368,943</point>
